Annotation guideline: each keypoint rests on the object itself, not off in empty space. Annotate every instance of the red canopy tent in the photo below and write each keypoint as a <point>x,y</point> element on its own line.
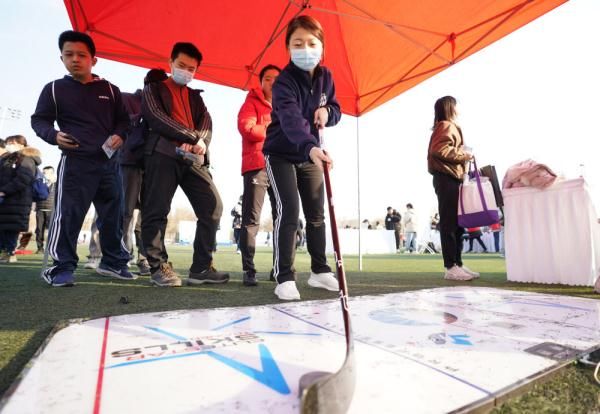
<point>376,49</point>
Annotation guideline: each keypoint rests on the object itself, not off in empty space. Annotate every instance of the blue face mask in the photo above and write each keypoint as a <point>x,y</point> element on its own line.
<point>306,59</point>
<point>182,77</point>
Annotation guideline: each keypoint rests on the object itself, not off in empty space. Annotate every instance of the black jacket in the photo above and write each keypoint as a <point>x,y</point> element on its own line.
<point>292,132</point>
<point>91,112</point>
<point>132,152</point>
<point>164,133</point>
<point>17,171</point>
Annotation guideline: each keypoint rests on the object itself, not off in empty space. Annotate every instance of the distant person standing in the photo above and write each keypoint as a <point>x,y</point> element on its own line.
<point>17,172</point>
<point>253,119</point>
<point>398,229</point>
<point>43,209</point>
<point>304,102</point>
<point>446,160</point>
<point>92,120</point>
<point>236,224</point>
<point>475,233</point>
<point>410,228</point>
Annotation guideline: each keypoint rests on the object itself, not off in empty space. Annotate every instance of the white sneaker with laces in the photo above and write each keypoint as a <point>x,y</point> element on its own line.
<point>324,280</point>
<point>470,272</point>
<point>456,273</point>
<point>287,291</point>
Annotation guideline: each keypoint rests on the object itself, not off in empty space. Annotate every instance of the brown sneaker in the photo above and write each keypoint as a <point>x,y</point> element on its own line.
<point>210,275</point>
<point>165,276</point>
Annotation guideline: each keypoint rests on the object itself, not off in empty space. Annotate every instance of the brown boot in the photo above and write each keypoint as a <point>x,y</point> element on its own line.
<point>165,276</point>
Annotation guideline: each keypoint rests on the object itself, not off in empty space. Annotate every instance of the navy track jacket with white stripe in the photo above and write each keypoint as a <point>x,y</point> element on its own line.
<point>292,132</point>
<point>91,112</point>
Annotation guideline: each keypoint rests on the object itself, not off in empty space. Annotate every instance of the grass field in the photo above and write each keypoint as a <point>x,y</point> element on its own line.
<point>29,308</point>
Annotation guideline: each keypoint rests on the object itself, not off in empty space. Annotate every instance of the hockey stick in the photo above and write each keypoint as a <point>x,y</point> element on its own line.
<point>324,392</point>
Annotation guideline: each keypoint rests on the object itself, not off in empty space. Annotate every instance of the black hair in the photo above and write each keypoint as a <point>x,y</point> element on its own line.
<point>265,69</point>
<point>48,167</point>
<point>73,36</point>
<point>19,139</point>
<point>409,205</point>
<point>187,49</point>
<point>155,75</point>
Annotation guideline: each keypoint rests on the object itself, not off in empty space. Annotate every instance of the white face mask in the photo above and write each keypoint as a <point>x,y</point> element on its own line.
<point>12,148</point>
<point>306,59</point>
<point>182,77</point>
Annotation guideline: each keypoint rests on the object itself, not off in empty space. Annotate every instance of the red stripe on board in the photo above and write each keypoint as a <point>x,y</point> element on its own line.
<point>101,370</point>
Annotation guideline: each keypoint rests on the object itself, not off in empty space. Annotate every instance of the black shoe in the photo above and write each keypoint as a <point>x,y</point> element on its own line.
<point>271,277</point>
<point>249,278</point>
<point>210,275</point>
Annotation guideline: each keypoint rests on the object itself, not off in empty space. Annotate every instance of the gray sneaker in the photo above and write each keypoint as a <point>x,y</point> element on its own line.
<point>165,276</point>
<point>144,268</point>
<point>210,275</point>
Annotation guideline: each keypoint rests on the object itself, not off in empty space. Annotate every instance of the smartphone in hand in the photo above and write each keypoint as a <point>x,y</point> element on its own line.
<point>74,141</point>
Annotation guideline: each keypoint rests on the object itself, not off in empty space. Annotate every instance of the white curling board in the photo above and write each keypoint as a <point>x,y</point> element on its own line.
<point>428,351</point>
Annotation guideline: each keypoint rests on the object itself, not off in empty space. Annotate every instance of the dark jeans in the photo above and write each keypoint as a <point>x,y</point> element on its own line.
<point>132,186</point>
<point>287,180</point>
<point>256,184</point>
<point>497,241</point>
<point>478,238</point>
<point>162,175</point>
<point>8,241</point>
<point>42,220</point>
<point>446,189</point>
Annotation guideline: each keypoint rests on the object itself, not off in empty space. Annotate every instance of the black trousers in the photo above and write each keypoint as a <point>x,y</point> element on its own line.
<point>82,181</point>
<point>42,222</point>
<point>478,238</point>
<point>446,188</point>
<point>132,187</point>
<point>287,181</point>
<point>162,175</point>
<point>256,185</point>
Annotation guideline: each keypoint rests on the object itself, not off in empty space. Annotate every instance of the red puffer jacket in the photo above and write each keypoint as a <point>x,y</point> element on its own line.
<point>253,120</point>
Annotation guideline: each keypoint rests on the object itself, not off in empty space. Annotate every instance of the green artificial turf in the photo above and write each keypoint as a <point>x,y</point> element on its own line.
<point>30,308</point>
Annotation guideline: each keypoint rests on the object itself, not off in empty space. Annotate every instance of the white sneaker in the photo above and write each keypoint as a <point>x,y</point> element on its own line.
<point>470,272</point>
<point>92,264</point>
<point>324,280</point>
<point>287,291</point>
<point>456,273</point>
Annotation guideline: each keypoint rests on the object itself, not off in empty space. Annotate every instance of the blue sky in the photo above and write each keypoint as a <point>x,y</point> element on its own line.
<point>533,94</point>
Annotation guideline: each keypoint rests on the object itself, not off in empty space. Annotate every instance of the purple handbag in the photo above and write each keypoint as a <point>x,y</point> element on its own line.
<point>476,201</point>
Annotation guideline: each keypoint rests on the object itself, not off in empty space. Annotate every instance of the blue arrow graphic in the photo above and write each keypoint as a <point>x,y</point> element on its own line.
<point>460,339</point>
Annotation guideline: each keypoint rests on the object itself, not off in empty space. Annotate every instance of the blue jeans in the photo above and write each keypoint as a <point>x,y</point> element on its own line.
<point>411,241</point>
<point>8,241</point>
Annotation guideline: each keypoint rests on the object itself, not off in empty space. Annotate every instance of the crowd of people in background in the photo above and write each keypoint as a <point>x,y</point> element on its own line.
<point>127,153</point>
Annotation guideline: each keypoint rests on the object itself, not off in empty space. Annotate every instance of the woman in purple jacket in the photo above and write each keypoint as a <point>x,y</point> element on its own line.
<point>303,102</point>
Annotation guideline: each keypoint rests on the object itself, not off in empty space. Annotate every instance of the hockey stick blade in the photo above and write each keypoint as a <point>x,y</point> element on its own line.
<point>323,392</point>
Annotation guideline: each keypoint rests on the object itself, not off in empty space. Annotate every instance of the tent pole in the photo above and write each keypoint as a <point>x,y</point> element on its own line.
<point>360,264</point>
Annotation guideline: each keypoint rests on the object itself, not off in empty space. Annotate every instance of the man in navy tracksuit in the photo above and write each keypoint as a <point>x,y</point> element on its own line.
<point>90,113</point>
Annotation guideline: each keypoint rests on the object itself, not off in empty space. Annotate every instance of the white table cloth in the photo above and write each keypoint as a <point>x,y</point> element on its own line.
<point>552,235</point>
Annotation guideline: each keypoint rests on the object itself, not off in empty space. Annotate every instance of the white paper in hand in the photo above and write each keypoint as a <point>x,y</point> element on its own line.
<point>108,150</point>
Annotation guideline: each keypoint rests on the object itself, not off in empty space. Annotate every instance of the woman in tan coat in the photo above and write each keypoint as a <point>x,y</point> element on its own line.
<point>446,159</point>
